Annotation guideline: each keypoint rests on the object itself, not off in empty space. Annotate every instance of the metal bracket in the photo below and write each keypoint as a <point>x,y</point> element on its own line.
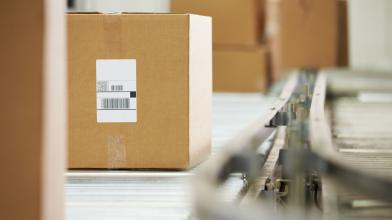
<point>284,115</point>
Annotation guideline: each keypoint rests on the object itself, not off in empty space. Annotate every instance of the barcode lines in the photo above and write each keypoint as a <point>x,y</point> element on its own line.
<point>115,103</point>
<point>116,87</point>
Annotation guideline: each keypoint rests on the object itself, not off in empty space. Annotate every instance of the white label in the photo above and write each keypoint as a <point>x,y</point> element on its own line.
<point>116,90</point>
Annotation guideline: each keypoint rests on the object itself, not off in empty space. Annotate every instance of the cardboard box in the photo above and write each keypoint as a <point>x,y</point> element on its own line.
<point>240,69</point>
<point>302,34</point>
<point>235,22</point>
<point>164,63</point>
<point>343,38</point>
<point>33,111</point>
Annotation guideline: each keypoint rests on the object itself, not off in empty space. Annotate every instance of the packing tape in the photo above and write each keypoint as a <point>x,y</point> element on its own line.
<point>116,149</point>
<point>112,36</point>
<point>116,152</point>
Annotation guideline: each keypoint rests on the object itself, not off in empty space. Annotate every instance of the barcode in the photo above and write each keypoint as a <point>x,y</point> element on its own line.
<point>102,86</point>
<point>113,103</point>
<point>117,87</point>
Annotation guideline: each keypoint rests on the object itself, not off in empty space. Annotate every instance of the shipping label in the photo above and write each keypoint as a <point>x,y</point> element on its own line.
<point>116,90</point>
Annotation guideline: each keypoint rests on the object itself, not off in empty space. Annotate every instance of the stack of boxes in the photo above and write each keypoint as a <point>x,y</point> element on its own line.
<point>239,60</point>
<point>297,34</point>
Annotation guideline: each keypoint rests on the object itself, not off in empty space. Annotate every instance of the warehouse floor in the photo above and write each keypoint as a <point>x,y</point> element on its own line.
<point>128,195</point>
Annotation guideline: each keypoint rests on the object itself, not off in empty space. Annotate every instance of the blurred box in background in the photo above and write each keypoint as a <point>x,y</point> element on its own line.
<point>302,33</point>
<point>238,27</point>
<point>140,90</point>
<point>235,22</point>
<point>240,69</point>
<point>343,36</point>
<point>33,110</point>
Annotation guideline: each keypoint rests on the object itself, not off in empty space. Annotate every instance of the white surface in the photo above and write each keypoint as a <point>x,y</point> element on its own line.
<point>116,79</point>
<point>370,34</point>
<point>54,119</point>
<point>114,195</point>
<point>232,112</point>
<point>158,6</point>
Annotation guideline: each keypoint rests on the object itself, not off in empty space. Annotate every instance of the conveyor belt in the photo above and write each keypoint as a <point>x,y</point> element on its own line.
<point>266,178</point>
<point>342,152</point>
<point>362,134</point>
<point>158,194</point>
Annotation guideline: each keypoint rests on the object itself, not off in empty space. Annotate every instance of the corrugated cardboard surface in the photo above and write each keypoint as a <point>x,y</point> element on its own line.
<point>235,22</point>
<point>32,158</point>
<point>160,44</point>
<point>240,69</point>
<point>302,33</point>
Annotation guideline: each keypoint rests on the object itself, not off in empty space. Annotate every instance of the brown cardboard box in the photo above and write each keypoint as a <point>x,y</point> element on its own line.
<point>33,111</point>
<point>343,39</point>
<point>240,69</point>
<point>235,22</point>
<point>168,58</point>
<point>301,33</point>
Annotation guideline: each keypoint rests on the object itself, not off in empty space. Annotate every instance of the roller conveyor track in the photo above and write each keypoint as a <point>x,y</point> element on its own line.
<point>335,161</point>
<point>362,134</point>
<point>357,144</point>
